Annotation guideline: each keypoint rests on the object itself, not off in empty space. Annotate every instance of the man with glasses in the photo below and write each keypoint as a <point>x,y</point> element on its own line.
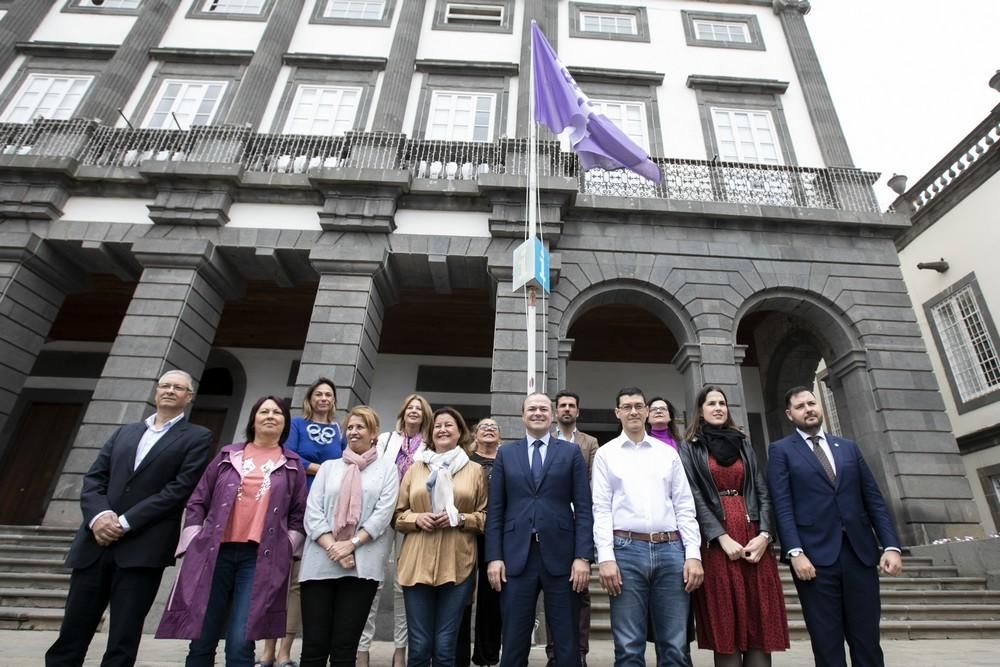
<point>647,538</point>
<point>132,500</point>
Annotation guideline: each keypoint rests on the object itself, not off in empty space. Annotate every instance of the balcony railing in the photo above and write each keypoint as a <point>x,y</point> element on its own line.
<point>683,180</point>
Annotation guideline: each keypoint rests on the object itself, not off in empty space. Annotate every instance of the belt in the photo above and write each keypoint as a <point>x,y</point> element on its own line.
<point>656,538</point>
<point>730,492</point>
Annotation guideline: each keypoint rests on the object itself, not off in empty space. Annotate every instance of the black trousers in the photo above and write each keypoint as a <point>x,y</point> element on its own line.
<point>334,612</point>
<point>129,590</point>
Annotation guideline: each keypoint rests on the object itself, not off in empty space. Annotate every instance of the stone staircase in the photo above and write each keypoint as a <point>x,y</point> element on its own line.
<point>33,581</point>
<point>927,602</point>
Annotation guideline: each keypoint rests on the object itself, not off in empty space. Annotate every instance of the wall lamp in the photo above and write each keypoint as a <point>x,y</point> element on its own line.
<point>940,266</point>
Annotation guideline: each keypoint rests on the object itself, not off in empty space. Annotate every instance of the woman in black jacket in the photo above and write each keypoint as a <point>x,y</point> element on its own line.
<point>740,609</point>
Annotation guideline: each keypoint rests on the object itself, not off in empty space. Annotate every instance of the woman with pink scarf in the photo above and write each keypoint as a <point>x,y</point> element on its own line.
<point>347,519</point>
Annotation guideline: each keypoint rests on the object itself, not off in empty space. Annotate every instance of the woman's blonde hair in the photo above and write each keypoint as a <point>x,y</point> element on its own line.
<point>425,407</point>
<point>365,414</point>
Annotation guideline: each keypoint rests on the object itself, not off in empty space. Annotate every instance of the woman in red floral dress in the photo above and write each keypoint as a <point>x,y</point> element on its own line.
<point>740,609</point>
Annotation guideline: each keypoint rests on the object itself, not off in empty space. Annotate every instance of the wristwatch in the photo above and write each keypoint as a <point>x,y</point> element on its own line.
<point>461,521</point>
<point>356,541</point>
<point>767,535</point>
<point>792,553</point>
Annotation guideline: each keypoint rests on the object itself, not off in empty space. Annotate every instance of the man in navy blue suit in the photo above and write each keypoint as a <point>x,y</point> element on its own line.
<point>539,535</point>
<point>831,521</point>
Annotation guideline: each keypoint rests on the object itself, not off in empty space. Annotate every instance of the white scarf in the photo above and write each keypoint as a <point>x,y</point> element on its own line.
<point>440,484</point>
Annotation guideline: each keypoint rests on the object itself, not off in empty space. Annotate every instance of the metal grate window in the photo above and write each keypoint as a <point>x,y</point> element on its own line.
<point>830,409</point>
<point>190,102</point>
<point>252,7</point>
<point>967,345</point>
<point>461,116</point>
<point>323,110</point>
<point>354,9</point>
<point>614,24</point>
<point>46,96</point>
<point>722,31</point>
<point>473,14</point>
<point>745,136</point>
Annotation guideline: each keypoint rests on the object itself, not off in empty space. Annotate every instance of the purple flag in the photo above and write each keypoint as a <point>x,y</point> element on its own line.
<point>559,103</point>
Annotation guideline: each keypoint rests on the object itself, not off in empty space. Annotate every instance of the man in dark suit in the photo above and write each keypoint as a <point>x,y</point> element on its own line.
<point>132,500</point>
<point>539,535</point>
<point>831,521</point>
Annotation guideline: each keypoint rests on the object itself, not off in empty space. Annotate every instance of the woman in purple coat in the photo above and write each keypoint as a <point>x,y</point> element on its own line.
<point>242,526</point>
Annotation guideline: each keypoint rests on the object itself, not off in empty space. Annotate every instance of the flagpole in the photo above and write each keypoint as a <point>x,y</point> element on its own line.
<point>531,314</point>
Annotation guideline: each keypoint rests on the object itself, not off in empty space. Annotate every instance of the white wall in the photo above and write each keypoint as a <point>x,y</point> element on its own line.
<point>442,223</point>
<point>274,216</point>
<point>82,27</point>
<point>195,33</point>
<point>352,40</point>
<point>470,46</point>
<point>107,209</point>
<point>267,373</point>
<point>966,237</point>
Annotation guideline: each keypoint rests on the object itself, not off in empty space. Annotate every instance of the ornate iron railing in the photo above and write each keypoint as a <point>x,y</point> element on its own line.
<point>683,180</point>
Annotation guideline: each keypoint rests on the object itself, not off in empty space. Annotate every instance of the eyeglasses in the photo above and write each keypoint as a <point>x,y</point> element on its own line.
<point>659,408</point>
<point>629,407</point>
<point>488,427</point>
<point>169,385</point>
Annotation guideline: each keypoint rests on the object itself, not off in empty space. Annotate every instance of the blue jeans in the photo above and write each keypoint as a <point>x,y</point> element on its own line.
<point>232,583</point>
<point>652,587</point>
<point>433,614</point>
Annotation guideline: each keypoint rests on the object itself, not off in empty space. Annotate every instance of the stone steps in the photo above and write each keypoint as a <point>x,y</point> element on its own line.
<point>46,598</point>
<point>30,618</point>
<point>49,565</point>
<point>33,582</point>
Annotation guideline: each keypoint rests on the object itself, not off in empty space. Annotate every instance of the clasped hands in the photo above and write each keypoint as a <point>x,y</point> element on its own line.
<point>752,552</point>
<point>342,552</point>
<point>107,529</point>
<point>432,520</point>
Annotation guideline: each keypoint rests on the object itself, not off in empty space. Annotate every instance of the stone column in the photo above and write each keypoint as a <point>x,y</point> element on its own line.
<point>20,23</point>
<point>346,323</point>
<point>399,69</point>
<point>546,13</point>
<point>720,366</point>
<point>113,86</point>
<point>33,283</point>
<point>170,324</point>
<point>824,118</point>
<point>258,80</point>
<point>564,348</point>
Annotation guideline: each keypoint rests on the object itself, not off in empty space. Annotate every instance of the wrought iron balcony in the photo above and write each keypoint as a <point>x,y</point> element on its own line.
<point>683,179</point>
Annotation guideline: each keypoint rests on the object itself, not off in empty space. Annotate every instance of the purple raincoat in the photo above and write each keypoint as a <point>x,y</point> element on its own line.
<point>205,523</point>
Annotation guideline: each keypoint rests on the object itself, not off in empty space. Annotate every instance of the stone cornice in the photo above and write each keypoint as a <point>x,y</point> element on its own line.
<point>801,6</point>
<point>341,62</point>
<point>467,68</point>
<point>601,75</point>
<point>201,56</point>
<point>70,50</point>
<point>736,84</point>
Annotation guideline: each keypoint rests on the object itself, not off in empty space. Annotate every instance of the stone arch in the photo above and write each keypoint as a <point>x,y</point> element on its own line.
<point>221,391</point>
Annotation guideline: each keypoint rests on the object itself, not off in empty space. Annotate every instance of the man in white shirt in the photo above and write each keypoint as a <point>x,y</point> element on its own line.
<point>647,538</point>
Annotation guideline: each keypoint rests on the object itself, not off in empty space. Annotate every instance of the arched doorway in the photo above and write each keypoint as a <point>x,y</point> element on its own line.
<point>221,390</point>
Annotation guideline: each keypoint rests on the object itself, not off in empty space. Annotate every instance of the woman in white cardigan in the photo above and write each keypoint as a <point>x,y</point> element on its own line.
<point>347,519</point>
<point>398,448</point>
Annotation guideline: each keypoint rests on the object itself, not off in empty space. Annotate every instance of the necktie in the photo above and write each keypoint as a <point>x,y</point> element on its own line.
<point>822,458</point>
<point>536,463</point>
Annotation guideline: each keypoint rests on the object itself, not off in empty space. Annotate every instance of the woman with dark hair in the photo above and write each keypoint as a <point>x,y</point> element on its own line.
<point>315,437</point>
<point>347,521</point>
<point>399,447</point>
<point>740,608</point>
<point>243,524</point>
<point>441,510</point>
<point>661,421</point>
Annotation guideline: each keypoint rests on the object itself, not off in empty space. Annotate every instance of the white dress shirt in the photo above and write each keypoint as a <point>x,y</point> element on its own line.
<point>642,488</point>
<point>824,445</point>
<point>531,445</point>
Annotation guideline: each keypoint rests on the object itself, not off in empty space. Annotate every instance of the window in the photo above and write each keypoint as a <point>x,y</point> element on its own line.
<point>461,116</point>
<point>191,102</point>
<point>473,14</point>
<point>967,342</point>
<point>606,21</point>
<point>362,10</point>
<point>47,96</point>
<point>745,136</point>
<point>615,24</point>
<point>719,31</point>
<point>234,6</point>
<point>829,408</point>
<point>630,117</point>
<point>323,110</point>
<point>3,13</point>
<point>107,4</point>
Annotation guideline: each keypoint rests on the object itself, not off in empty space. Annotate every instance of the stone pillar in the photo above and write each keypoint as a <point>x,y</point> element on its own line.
<point>400,67</point>
<point>170,323</point>
<point>720,366</point>
<point>261,74</point>
<point>118,80</point>
<point>546,13</point>
<point>33,283</point>
<point>829,133</point>
<point>346,323</point>
<point>564,348</point>
<point>20,23</point>
<point>898,420</point>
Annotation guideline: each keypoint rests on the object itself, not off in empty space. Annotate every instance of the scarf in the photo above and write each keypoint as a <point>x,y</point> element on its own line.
<point>440,484</point>
<point>347,507</point>
<point>404,459</point>
<point>663,435</point>
<point>723,443</point>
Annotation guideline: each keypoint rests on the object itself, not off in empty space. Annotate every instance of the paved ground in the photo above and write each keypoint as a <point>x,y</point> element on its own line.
<point>26,647</point>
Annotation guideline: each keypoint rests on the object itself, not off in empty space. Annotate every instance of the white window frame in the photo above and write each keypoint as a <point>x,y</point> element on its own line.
<point>304,89</point>
<point>3,13</point>
<point>829,402</point>
<point>438,96</point>
<point>470,13</point>
<point>966,344</point>
<point>182,117</point>
<point>354,10</point>
<point>618,109</point>
<point>236,7</point>
<point>740,154</point>
<point>608,23</point>
<point>12,114</point>
<point>721,31</point>
<point>110,4</point>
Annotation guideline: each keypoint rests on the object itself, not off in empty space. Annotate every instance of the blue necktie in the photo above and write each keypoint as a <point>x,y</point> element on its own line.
<point>536,463</point>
